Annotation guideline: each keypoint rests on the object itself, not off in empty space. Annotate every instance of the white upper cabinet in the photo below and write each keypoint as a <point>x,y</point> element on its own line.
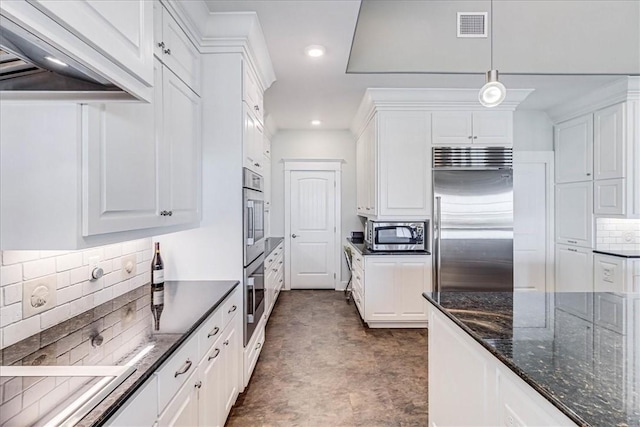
<point>405,164</point>
<point>479,127</point>
<point>253,141</point>
<point>174,49</point>
<point>252,93</point>
<point>574,213</point>
<point>574,150</point>
<point>110,37</point>
<point>393,162</point>
<point>609,143</point>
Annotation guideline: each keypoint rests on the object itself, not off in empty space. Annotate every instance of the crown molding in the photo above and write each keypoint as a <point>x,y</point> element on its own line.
<point>191,15</point>
<point>239,32</point>
<point>624,89</point>
<point>420,99</point>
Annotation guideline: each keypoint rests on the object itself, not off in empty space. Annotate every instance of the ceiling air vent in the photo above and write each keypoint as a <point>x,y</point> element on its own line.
<point>472,24</point>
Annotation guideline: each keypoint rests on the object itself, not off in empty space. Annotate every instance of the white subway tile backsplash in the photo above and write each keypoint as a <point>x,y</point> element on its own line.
<point>12,294</point>
<point>10,314</point>
<point>69,293</point>
<point>20,330</point>
<point>15,257</point>
<point>69,261</point>
<point>617,234</point>
<point>79,274</point>
<point>38,268</point>
<point>75,293</point>
<point>10,274</point>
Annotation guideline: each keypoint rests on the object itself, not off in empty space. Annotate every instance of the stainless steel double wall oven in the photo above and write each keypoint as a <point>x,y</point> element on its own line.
<point>253,235</point>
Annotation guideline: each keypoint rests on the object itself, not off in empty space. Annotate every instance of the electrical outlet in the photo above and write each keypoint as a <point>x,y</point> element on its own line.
<point>129,263</point>
<point>628,237</point>
<point>38,295</point>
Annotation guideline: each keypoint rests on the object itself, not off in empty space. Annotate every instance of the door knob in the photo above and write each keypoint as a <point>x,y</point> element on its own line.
<point>294,235</point>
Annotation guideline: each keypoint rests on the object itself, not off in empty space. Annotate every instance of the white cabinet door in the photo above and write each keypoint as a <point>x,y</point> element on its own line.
<point>493,128</point>
<point>252,138</point>
<point>232,355</point>
<point>452,127</point>
<point>120,165</point>
<point>180,171</point>
<point>609,274</point>
<point>361,185</point>
<point>370,167</point>
<point>182,410</point>
<point>574,150</point>
<point>609,197</point>
<point>574,280</point>
<point>210,394</point>
<point>252,93</point>
<point>257,151</point>
<point>574,213</point>
<point>394,287</point>
<point>121,30</point>
<point>609,143</point>
<point>405,164</point>
<point>176,51</point>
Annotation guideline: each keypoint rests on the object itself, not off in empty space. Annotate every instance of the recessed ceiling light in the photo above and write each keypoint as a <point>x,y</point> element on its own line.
<point>315,50</point>
<point>55,61</point>
<point>316,122</point>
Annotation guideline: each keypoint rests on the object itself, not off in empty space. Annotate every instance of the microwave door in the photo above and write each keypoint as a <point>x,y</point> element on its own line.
<point>395,235</point>
<point>258,220</point>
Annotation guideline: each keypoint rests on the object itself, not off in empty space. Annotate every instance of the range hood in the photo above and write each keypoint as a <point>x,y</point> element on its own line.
<point>29,64</point>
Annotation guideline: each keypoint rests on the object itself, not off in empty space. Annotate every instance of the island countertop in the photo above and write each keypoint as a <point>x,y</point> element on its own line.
<point>595,381</point>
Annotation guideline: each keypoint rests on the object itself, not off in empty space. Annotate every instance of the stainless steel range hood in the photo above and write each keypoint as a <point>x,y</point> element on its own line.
<point>28,64</point>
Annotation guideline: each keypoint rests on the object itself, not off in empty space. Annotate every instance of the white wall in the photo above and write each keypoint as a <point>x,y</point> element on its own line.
<point>293,144</point>
<point>532,131</point>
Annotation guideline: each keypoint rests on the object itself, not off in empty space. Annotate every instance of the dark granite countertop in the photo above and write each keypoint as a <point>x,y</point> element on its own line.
<point>187,305</point>
<point>362,248</point>
<point>619,252</point>
<point>585,369</point>
<point>271,243</point>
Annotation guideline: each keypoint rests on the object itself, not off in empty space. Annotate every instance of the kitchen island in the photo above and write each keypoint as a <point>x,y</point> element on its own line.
<point>570,370</point>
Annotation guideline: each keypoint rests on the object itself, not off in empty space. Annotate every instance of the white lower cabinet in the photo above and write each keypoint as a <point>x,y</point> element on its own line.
<point>388,289</point>
<point>274,277</point>
<point>574,280</point>
<point>190,391</point>
<point>492,394</point>
<point>252,351</point>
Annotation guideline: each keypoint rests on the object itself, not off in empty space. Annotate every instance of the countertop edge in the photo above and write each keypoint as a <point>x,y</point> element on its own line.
<point>617,254</point>
<point>387,253</point>
<point>544,392</point>
<point>122,399</point>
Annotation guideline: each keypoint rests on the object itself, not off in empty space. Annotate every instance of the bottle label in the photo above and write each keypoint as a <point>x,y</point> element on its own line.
<point>158,297</point>
<point>158,276</point>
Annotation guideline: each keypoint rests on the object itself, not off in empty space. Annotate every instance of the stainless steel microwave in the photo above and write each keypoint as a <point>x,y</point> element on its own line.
<point>396,236</point>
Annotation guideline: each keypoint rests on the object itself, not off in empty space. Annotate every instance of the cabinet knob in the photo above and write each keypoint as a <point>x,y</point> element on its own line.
<point>198,384</point>
<point>255,107</point>
<point>275,269</point>
<point>164,213</point>
<point>167,51</point>
<point>475,137</point>
<point>470,137</point>
<point>161,44</point>
<point>588,174</point>
<point>226,342</point>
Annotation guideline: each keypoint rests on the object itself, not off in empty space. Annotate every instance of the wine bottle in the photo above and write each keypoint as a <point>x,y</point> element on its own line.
<point>157,286</point>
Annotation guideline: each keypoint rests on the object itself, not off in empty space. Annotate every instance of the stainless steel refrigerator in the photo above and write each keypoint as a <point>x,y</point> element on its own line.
<point>473,219</point>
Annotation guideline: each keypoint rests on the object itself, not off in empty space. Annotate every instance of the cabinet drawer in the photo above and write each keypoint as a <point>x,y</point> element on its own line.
<point>252,352</point>
<point>357,260</point>
<point>231,306</point>
<point>209,332</point>
<point>176,370</point>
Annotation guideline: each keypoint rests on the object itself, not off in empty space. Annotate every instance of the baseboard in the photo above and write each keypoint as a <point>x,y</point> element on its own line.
<point>341,286</point>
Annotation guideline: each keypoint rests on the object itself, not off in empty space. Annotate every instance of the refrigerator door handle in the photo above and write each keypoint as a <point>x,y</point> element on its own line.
<point>436,242</point>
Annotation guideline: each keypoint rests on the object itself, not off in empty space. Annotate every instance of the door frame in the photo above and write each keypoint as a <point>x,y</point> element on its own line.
<point>303,165</point>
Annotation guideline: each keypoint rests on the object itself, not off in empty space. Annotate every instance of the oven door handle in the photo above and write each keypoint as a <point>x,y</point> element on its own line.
<point>250,224</point>
<point>251,284</point>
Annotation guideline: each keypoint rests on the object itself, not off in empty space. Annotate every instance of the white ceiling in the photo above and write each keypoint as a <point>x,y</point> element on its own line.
<point>307,88</point>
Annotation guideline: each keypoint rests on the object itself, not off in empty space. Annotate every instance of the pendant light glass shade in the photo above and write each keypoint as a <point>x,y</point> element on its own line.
<point>493,92</point>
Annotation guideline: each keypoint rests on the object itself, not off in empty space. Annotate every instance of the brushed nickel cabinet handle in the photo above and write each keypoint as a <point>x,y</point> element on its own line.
<point>258,346</point>
<point>184,369</point>
<point>232,309</point>
<point>210,358</point>
<point>214,332</point>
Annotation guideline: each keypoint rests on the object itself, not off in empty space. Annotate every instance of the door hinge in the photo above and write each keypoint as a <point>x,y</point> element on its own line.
<point>334,229</point>
<point>334,275</point>
<point>334,184</point>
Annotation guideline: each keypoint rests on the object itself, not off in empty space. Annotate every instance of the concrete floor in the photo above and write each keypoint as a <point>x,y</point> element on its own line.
<point>321,367</point>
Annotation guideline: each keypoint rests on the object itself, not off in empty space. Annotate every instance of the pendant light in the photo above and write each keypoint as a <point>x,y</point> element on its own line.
<point>493,92</point>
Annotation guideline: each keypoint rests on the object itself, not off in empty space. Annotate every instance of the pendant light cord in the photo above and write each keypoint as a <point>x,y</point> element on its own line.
<point>491,35</point>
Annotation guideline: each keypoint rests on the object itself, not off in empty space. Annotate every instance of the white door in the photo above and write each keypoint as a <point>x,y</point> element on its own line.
<point>313,230</point>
